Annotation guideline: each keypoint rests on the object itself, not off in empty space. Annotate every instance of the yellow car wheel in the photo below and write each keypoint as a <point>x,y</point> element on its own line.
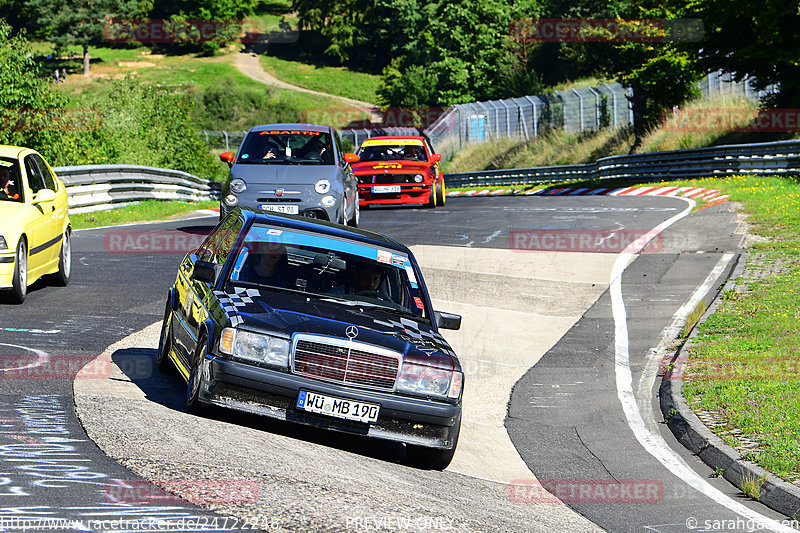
<point>61,277</point>
<point>19,285</point>
<point>440,194</point>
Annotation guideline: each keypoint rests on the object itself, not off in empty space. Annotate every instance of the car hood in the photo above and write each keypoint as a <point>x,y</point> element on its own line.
<point>280,174</point>
<point>390,166</point>
<point>280,311</point>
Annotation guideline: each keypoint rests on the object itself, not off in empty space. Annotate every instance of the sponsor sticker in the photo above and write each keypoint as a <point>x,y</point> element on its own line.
<point>384,256</point>
<point>411,277</point>
<point>418,301</point>
<point>392,142</point>
<point>398,260</point>
<point>273,231</point>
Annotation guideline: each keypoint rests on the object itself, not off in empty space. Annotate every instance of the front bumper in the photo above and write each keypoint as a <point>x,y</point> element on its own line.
<point>6,270</point>
<point>409,194</point>
<point>270,393</point>
<point>308,203</point>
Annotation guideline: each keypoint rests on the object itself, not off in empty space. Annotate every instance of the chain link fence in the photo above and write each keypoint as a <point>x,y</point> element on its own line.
<point>528,117</point>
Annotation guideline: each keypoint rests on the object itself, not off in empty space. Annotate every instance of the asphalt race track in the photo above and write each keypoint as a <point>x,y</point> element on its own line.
<point>547,324</point>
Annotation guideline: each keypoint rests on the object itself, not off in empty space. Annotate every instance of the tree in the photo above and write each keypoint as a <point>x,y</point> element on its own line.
<point>27,104</point>
<point>464,52</point>
<point>79,22</point>
<point>753,38</point>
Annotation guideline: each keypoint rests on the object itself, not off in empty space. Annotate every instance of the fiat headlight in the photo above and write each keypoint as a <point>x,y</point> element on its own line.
<point>429,381</point>
<point>231,200</point>
<point>255,347</point>
<point>328,201</point>
<point>418,178</point>
<point>322,186</point>
<point>238,186</point>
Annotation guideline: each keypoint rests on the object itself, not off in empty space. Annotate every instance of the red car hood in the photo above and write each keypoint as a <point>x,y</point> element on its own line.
<point>390,166</point>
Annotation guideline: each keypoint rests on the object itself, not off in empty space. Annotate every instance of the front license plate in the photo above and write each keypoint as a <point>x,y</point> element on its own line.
<point>338,407</point>
<point>385,188</point>
<point>288,209</point>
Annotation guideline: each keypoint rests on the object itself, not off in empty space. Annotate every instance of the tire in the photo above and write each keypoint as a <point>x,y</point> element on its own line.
<point>432,200</point>
<point>193,403</point>
<point>19,284</point>
<point>441,197</point>
<point>353,223</point>
<point>432,458</point>
<point>61,278</point>
<point>163,362</point>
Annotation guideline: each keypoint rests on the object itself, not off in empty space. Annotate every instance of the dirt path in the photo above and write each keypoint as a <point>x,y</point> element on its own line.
<point>250,66</point>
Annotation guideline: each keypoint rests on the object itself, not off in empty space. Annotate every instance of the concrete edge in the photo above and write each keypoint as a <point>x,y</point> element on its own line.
<point>690,431</point>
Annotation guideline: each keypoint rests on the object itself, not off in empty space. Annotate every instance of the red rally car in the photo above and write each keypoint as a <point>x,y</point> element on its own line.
<point>399,170</point>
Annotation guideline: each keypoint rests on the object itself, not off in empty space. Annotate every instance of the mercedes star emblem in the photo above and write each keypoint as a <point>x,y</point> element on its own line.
<point>351,332</point>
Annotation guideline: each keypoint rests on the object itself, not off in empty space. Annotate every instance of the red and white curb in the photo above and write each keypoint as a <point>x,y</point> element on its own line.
<point>698,193</point>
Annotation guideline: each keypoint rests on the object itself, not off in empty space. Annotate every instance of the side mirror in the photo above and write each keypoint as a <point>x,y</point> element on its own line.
<point>44,195</point>
<point>205,272</point>
<point>447,320</point>
<point>351,158</point>
<point>435,158</point>
<point>226,157</point>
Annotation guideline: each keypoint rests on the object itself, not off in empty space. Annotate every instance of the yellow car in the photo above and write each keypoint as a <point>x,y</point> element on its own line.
<point>34,223</point>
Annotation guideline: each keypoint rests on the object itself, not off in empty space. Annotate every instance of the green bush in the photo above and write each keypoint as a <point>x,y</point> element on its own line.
<point>142,125</point>
<point>232,107</point>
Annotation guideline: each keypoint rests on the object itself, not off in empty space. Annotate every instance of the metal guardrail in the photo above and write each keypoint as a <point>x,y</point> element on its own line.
<point>782,158</point>
<point>98,187</point>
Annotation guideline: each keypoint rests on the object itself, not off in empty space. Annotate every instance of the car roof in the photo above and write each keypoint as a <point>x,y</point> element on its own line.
<point>393,137</point>
<point>324,227</point>
<point>11,151</point>
<point>292,126</point>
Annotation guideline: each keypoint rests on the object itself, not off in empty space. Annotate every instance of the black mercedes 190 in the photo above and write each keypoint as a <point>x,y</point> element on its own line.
<point>312,322</point>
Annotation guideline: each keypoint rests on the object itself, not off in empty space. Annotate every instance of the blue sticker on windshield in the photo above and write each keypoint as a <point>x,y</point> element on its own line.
<point>245,156</point>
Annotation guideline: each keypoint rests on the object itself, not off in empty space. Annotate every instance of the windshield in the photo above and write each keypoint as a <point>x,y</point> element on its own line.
<point>10,184</point>
<point>287,147</point>
<point>410,150</point>
<point>347,271</point>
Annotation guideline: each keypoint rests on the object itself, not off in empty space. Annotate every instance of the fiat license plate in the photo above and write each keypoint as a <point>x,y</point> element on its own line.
<point>288,209</point>
<point>338,407</point>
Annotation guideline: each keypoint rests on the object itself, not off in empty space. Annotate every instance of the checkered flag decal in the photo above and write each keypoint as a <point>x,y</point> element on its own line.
<point>231,302</point>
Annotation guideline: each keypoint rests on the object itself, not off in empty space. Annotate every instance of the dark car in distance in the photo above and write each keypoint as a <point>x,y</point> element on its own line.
<point>315,323</point>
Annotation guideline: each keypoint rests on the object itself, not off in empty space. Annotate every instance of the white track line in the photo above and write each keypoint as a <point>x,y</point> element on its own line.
<point>652,442</point>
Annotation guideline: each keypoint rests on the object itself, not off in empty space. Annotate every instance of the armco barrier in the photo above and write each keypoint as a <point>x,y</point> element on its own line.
<point>782,158</point>
<point>98,187</point>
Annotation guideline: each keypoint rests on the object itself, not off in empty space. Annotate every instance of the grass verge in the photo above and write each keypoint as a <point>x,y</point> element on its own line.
<point>147,211</point>
<point>332,80</point>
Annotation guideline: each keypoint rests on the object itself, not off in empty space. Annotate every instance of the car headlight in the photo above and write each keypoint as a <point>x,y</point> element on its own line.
<point>322,186</point>
<point>328,201</point>
<point>430,381</point>
<point>255,347</point>
<point>418,178</point>
<point>238,186</point>
<point>3,245</point>
<point>231,200</point>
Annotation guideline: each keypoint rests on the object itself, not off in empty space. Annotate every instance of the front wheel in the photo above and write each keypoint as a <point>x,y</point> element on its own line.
<point>432,458</point>
<point>440,192</point>
<point>163,362</point>
<point>61,278</point>
<point>19,284</point>
<point>193,402</point>
<point>356,216</point>
<point>432,198</point>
